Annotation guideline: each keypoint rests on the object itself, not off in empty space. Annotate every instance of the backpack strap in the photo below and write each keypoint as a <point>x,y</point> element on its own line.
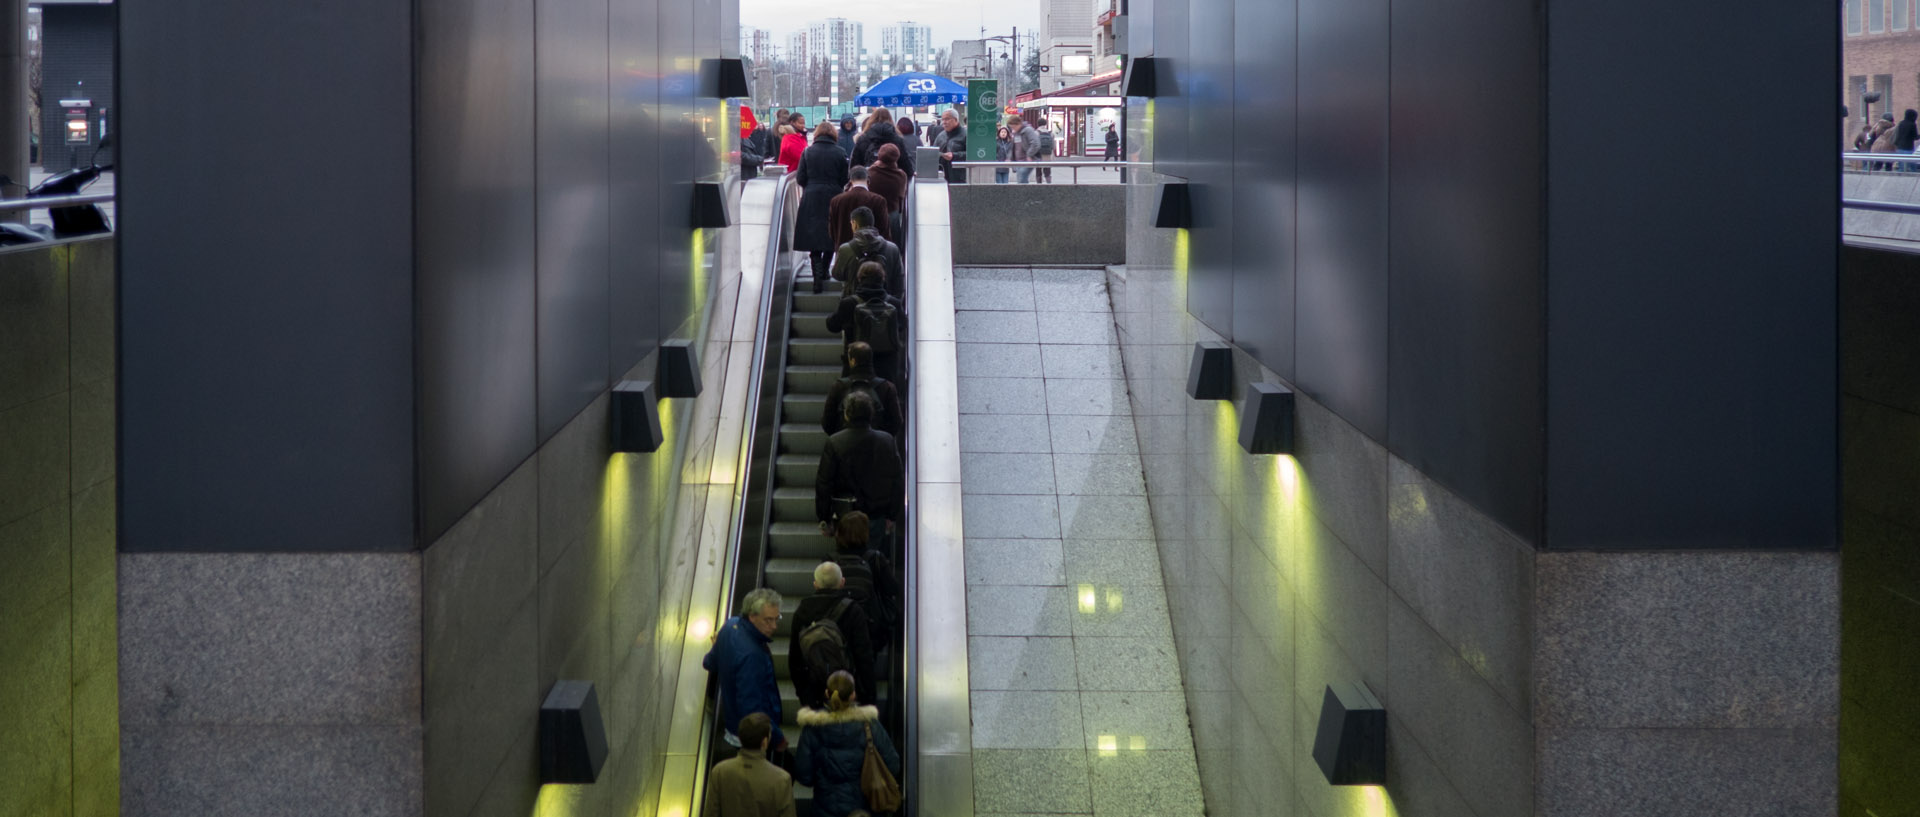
<point>840,609</point>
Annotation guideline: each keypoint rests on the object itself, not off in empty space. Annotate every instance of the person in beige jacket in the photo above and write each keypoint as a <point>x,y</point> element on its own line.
<point>746,785</point>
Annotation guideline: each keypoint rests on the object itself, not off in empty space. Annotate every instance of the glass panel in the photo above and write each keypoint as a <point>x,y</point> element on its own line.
<point>1876,16</point>
<point>1900,15</point>
<point>1853,16</point>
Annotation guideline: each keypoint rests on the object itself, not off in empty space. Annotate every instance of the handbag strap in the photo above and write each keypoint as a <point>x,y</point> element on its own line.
<point>868,727</point>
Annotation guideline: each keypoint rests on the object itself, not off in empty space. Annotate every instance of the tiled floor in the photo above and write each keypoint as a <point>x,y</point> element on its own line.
<point>1077,707</point>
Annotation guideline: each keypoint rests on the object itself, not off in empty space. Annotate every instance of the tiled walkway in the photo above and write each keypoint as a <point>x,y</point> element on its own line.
<point>1077,707</point>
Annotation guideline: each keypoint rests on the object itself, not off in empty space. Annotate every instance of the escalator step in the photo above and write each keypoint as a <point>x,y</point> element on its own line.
<point>803,408</point>
<point>792,577</point>
<point>796,470</point>
<point>814,351</point>
<point>806,301</point>
<point>793,504</point>
<point>802,438</point>
<point>811,379</point>
<point>812,325</point>
<point>799,541</point>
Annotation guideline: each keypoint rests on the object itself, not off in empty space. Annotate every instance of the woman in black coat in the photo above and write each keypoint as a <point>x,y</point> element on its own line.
<point>823,175</point>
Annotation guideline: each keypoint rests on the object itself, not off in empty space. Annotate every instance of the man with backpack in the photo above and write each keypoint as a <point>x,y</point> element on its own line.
<point>875,317</point>
<point>870,578</point>
<point>830,634</point>
<point>860,470</point>
<point>860,378</point>
<point>868,245</point>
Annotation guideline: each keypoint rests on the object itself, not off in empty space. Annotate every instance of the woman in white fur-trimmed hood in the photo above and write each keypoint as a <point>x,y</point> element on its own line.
<point>834,747</point>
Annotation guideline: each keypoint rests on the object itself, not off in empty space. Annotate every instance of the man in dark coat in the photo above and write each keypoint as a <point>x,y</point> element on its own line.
<point>860,470</point>
<point>867,244</point>
<point>857,317</point>
<point>829,590</point>
<point>840,211</point>
<point>822,175</point>
<point>744,664</point>
<point>952,142</point>
<point>860,378</point>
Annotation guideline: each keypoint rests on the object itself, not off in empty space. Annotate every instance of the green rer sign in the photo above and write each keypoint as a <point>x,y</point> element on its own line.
<point>983,119</point>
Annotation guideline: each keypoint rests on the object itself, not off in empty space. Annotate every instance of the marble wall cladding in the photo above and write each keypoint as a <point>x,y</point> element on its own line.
<point>576,567</point>
<point>57,539</point>
<point>1282,577</point>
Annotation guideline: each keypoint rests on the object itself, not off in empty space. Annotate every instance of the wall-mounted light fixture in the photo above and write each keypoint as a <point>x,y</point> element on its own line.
<point>573,740</point>
<point>1351,744</point>
<point>1148,77</point>
<point>636,418</point>
<point>679,370</point>
<point>1266,419</point>
<point>1210,375</point>
<point>710,206</point>
<point>724,78</point>
<point>1174,207</point>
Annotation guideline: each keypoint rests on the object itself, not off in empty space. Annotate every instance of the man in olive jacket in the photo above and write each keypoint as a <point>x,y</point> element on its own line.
<point>746,785</point>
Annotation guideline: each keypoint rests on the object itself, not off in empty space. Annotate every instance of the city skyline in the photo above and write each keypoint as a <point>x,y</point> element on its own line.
<point>998,17</point>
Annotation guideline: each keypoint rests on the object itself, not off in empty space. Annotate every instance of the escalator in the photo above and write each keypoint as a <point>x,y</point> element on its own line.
<point>778,540</point>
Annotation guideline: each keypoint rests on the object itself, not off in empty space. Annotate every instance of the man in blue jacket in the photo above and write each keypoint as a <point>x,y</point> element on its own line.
<point>745,663</point>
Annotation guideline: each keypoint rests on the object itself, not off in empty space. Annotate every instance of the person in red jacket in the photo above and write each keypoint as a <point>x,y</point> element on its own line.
<point>791,146</point>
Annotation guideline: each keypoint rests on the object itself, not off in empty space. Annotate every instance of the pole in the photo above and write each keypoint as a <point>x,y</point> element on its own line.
<point>13,100</point>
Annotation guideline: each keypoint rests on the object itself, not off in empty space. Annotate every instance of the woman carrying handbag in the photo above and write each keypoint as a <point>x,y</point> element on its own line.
<point>846,756</point>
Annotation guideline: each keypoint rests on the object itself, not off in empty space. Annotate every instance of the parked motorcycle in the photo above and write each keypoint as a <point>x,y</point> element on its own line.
<point>71,221</point>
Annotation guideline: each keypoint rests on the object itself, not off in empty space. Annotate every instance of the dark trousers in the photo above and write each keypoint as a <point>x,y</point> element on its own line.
<point>822,265</point>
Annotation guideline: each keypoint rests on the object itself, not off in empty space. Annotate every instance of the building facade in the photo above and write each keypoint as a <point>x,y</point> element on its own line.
<point>835,46</point>
<point>907,43</point>
<point>1065,44</point>
<point>756,44</point>
<point>1880,51</point>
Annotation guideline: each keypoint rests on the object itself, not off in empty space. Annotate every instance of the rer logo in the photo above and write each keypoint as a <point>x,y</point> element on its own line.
<point>920,86</point>
<point>989,101</point>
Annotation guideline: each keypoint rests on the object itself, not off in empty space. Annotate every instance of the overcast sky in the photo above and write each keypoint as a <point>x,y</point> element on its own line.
<point>950,20</point>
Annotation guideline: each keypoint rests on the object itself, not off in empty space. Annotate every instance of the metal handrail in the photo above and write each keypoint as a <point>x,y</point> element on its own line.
<point>9,205</point>
<point>1909,208</point>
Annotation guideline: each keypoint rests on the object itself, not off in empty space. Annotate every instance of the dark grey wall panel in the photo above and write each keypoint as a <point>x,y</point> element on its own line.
<point>680,145</point>
<point>1341,307</point>
<point>571,137</point>
<point>1169,112</point>
<point>634,165</point>
<point>1206,85</point>
<point>1465,304</point>
<point>475,262</point>
<point>1258,123</point>
<point>1691,304</point>
<point>266,359</point>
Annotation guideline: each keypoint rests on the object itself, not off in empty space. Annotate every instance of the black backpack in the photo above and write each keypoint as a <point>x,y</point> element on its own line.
<point>824,646</point>
<point>876,323</point>
<point>861,587</point>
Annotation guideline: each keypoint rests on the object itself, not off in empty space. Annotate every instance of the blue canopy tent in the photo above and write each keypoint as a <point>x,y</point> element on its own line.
<point>913,89</point>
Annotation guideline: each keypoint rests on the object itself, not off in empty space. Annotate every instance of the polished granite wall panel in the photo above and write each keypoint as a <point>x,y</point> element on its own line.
<point>57,531</point>
<point>1205,78</point>
<point>1724,327</point>
<point>289,329</point>
<point>1340,242</point>
<point>634,197</point>
<point>475,251</point>
<point>571,221</point>
<point>1258,120</point>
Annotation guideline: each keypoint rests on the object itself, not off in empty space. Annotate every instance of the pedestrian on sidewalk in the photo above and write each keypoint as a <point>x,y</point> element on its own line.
<point>1026,145</point>
<point>1002,152</point>
<point>952,143</point>
<point>1048,147</point>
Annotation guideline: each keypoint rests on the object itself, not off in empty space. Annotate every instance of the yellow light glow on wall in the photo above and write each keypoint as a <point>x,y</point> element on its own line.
<point>1182,256</point>
<point>1113,599</point>
<point>1089,600</point>
<point>616,508</point>
<point>1376,801</point>
<point>1137,743</point>
<point>699,253</point>
<point>1287,470</point>
<point>700,629</point>
<point>1109,745</point>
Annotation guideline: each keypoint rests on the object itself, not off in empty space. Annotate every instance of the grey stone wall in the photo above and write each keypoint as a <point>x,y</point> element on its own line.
<point>1517,681</point>
<point>1880,442</point>
<point>59,752</point>
<point>1039,224</point>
